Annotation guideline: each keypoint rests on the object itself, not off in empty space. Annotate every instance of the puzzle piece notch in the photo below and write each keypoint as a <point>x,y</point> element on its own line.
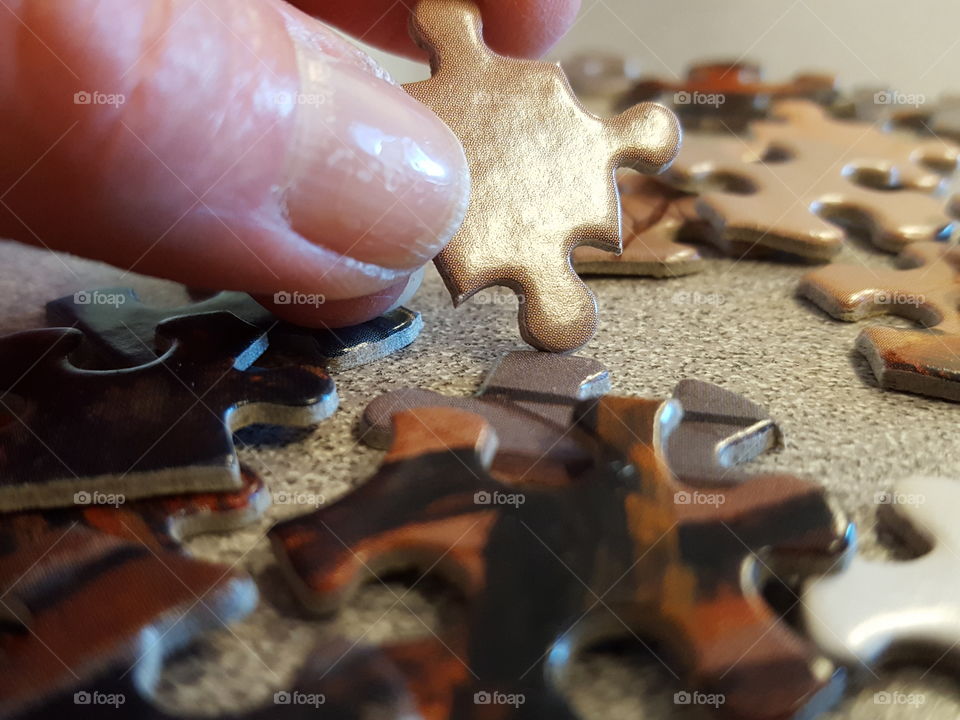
<point>794,205</point>
<point>517,119</point>
<point>872,611</point>
<point>927,291</point>
<point>690,590</point>
<point>184,407</point>
<point>96,601</point>
<point>120,331</point>
<point>655,219</point>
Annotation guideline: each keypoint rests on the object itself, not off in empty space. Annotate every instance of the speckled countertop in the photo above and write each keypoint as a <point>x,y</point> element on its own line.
<point>754,337</point>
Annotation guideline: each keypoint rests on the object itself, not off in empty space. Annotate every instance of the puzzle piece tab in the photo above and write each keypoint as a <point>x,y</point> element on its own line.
<point>927,291</point>
<point>121,331</point>
<point>790,191</point>
<point>542,172</point>
<point>655,218</point>
<point>609,552</point>
<point>157,429</point>
<point>872,610</point>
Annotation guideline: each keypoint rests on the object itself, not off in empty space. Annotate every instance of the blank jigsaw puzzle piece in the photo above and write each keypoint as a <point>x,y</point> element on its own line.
<point>927,291</point>
<point>120,331</point>
<point>94,601</point>
<point>871,611</point>
<point>655,219</point>
<point>542,172</point>
<point>157,429</point>
<point>796,204</point>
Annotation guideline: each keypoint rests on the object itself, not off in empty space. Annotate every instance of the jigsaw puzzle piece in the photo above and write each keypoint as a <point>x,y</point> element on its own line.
<point>542,172</point>
<point>655,219</point>
<point>872,611</point>
<point>727,95</point>
<point>731,642</point>
<point>798,204</point>
<point>158,429</point>
<point>861,149</point>
<point>94,601</point>
<point>528,399</point>
<point>120,331</point>
<point>927,291</point>
<point>719,431</point>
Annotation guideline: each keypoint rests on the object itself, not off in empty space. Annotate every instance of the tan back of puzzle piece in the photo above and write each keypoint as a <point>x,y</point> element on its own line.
<point>783,204</point>
<point>927,291</point>
<point>542,171</point>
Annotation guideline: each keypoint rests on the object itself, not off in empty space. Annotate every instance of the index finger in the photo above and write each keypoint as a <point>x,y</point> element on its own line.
<point>519,28</point>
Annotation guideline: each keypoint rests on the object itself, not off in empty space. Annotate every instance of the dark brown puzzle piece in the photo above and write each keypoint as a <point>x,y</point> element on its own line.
<point>607,554</point>
<point>157,429</point>
<point>120,330</point>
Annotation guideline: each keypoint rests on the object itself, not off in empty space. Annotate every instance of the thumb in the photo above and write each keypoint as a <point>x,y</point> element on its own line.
<point>230,144</point>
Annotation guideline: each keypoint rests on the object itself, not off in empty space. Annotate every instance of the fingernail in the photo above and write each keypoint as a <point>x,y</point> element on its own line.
<point>374,174</point>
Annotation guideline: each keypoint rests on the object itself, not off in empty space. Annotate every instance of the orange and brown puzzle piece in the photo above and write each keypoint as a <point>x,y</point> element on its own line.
<point>727,95</point>
<point>656,218</point>
<point>789,186</point>
<point>927,291</point>
<point>608,553</point>
<point>542,171</point>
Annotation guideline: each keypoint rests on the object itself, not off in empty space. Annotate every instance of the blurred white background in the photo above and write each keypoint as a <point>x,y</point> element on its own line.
<point>909,45</point>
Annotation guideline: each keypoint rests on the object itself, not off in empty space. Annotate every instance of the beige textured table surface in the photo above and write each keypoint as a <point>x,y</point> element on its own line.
<point>755,337</point>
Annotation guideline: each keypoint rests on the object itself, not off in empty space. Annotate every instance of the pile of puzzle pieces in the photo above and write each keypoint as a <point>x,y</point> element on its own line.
<point>565,516</point>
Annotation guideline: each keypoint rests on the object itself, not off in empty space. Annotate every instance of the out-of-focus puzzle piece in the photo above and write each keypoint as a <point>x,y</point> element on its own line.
<point>872,611</point>
<point>940,119</point>
<point>607,554</point>
<point>727,95</point>
<point>542,172</point>
<point>162,428</point>
<point>163,522</point>
<point>89,600</point>
<point>528,398</point>
<point>780,191</point>
<point>927,291</point>
<point>121,331</point>
<point>655,218</point>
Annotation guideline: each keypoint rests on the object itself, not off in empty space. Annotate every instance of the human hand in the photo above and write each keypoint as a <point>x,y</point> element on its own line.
<point>236,144</point>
